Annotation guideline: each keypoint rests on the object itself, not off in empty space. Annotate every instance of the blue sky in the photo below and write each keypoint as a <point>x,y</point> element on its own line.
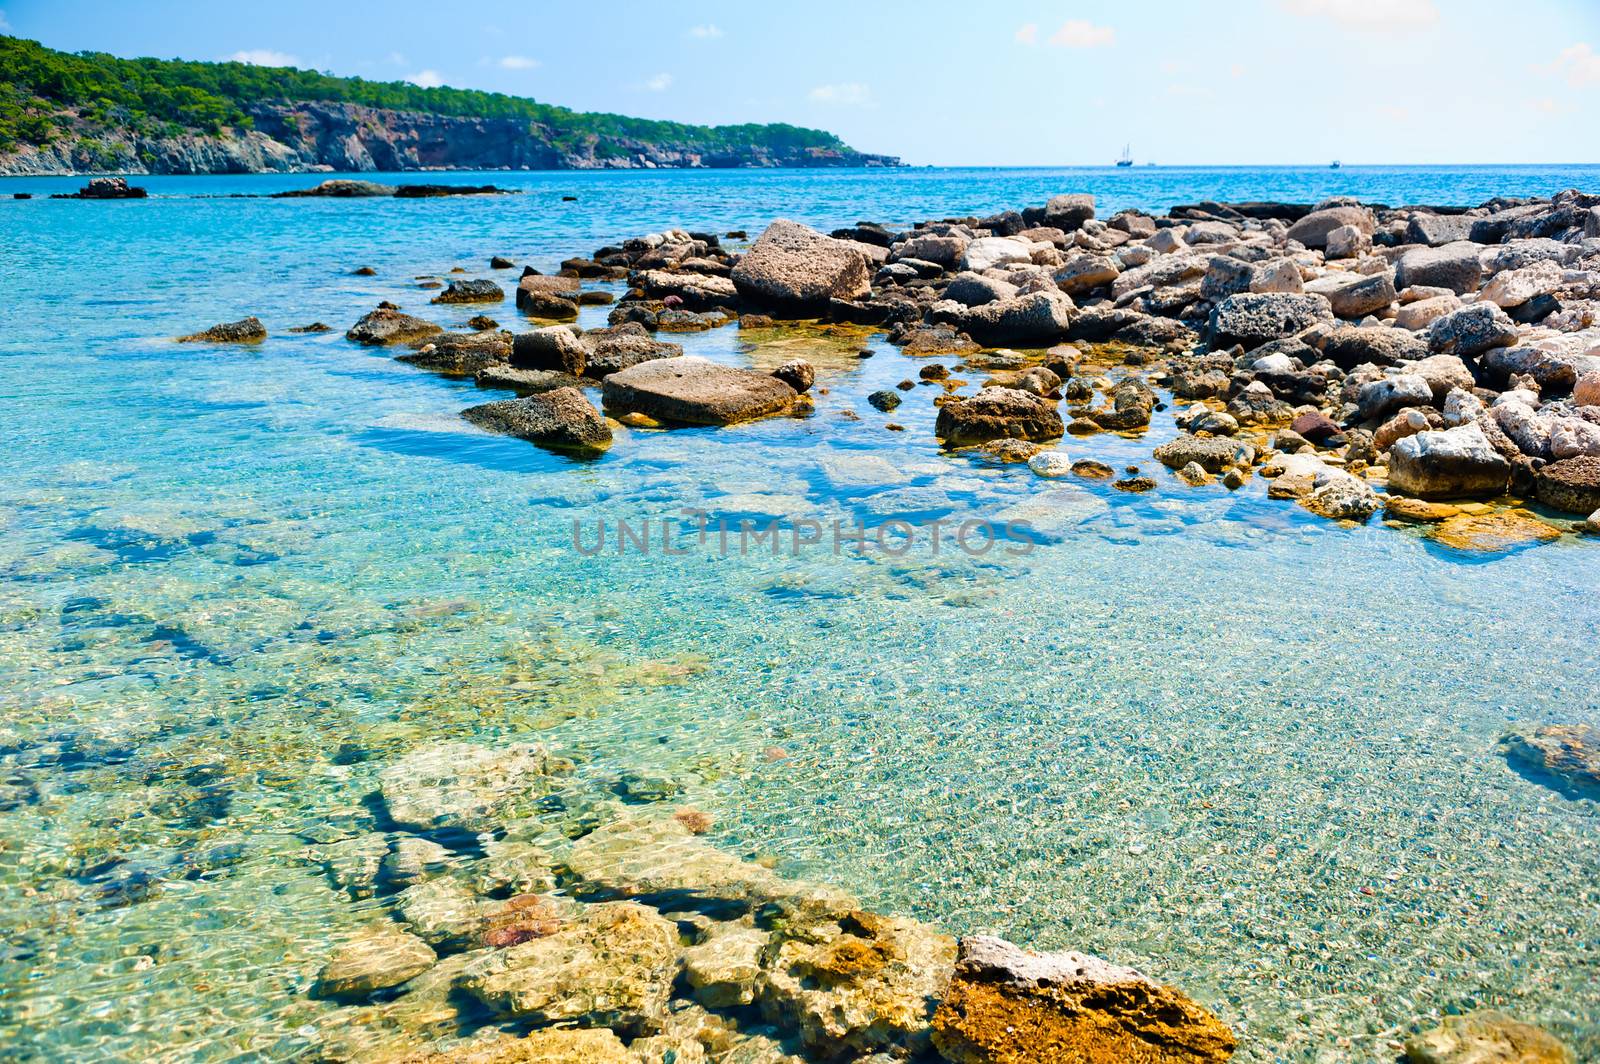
<point>1021,83</point>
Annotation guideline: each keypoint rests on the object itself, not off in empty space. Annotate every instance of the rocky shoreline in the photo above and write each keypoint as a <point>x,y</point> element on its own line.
<point>318,137</point>
<point>1439,367</point>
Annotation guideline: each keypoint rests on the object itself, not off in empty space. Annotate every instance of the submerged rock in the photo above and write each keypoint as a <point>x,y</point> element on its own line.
<point>1496,533</point>
<point>696,391</point>
<point>1486,1037</point>
<point>998,413</point>
<point>860,984</point>
<point>1009,1004</point>
<point>467,787</point>
<point>556,1045</point>
<point>561,418</point>
<point>244,331</point>
<point>612,965</point>
<point>1568,752</point>
<point>384,957</point>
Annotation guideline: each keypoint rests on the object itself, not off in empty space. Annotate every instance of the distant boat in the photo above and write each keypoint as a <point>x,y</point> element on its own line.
<point>1335,165</point>
<point>1127,156</point>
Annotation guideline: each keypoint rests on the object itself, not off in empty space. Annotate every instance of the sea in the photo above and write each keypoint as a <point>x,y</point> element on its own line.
<point>1199,732</point>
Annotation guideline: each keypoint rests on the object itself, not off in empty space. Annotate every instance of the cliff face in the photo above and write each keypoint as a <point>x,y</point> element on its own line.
<point>347,137</point>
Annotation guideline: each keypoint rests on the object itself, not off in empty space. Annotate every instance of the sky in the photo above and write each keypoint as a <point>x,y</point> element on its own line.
<point>1020,83</point>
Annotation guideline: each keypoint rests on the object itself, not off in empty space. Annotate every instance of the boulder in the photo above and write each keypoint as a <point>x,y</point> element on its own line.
<point>1571,485</point>
<point>695,391</point>
<point>1572,437</point>
<point>988,252</point>
<point>1450,463</point>
<point>1069,211</point>
<point>1081,273</point>
<point>797,373</point>
<point>1279,275</point>
<point>797,269</point>
<point>386,326</point>
<point>1034,320</point>
<point>1366,296</point>
<point>244,331</point>
<point>1421,313</point>
<point>467,787</point>
<point>859,983</point>
<point>1586,390</point>
<point>1513,288</point>
<point>1318,428</point>
<point>1226,276</point>
<point>561,418</point>
<point>555,348</point>
<point>998,413</point>
<point>1453,266</point>
<point>1348,242</point>
<point>1252,319</point>
<point>382,957</point>
<point>1380,398</point>
<point>479,291</point>
<point>1472,330</point>
<point>1210,453</point>
<point>1343,497</point>
<point>461,354</point>
<point>940,250</point>
<point>1132,402</point>
<point>611,966</point>
<point>1009,1005</point>
<point>1408,422</point>
<point>1314,228</point>
<point>975,290</point>
<point>696,291</point>
<point>1568,753</point>
<point>554,298</point>
<point>1444,374</point>
<point>620,346</point>
<point>1436,230</point>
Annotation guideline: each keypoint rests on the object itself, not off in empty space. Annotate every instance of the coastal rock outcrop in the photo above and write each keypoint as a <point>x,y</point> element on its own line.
<point>386,326</point>
<point>1450,463</point>
<point>998,413</point>
<point>1007,1005</point>
<point>244,331</point>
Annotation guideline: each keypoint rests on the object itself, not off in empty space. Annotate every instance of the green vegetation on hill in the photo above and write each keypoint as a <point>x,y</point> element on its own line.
<point>45,93</point>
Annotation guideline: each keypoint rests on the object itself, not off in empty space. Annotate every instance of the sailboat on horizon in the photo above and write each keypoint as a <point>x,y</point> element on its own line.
<point>1126,158</point>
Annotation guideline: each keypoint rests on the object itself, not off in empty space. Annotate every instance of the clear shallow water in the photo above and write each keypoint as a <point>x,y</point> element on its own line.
<point>1202,733</point>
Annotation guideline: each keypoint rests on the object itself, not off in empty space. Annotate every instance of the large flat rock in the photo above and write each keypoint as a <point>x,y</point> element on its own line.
<point>795,267</point>
<point>695,391</point>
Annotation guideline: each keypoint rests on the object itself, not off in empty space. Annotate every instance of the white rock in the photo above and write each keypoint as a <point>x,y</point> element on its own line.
<point>1281,275</point>
<point>1587,391</point>
<point>1516,287</point>
<point>991,251</point>
<point>1570,437</point>
<point>1050,464</point>
<point>1167,241</point>
<point>1277,362</point>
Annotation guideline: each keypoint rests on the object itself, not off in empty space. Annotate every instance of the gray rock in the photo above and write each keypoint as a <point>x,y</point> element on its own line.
<point>1037,319</point>
<point>1436,230</point>
<point>1453,266</point>
<point>974,289</point>
<point>479,291</point>
<point>1082,273</point>
<point>1252,319</point>
<point>244,331</point>
<point>1472,330</point>
<point>1068,212</point>
<point>1366,296</point>
<point>796,268</point>
<point>1380,398</point>
<point>1444,373</point>
<point>696,391</point>
<point>1211,454</point>
<point>562,419</point>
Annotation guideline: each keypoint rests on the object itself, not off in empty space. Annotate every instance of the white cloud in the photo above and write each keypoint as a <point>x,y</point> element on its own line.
<point>1379,15</point>
<point>5,27</point>
<point>708,32</point>
<point>848,94</point>
<point>1079,33</point>
<point>397,58</point>
<point>264,57</point>
<point>428,79</point>
<point>659,83</point>
<point>1578,64</point>
<point>1028,34</point>
<point>517,62</point>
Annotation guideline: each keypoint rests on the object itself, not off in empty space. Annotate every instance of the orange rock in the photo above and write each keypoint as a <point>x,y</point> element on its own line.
<point>1007,1005</point>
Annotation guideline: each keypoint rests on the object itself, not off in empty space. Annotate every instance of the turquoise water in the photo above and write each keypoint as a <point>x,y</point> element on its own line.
<point>1198,732</point>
